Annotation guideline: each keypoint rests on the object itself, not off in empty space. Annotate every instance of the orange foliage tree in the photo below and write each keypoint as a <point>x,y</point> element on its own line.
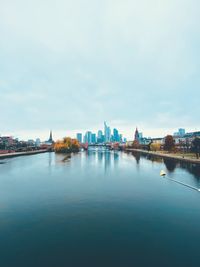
<point>67,145</point>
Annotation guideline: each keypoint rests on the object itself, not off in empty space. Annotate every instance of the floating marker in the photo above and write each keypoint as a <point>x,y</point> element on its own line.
<point>162,173</point>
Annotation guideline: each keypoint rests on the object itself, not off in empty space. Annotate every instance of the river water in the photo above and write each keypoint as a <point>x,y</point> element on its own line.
<point>98,208</point>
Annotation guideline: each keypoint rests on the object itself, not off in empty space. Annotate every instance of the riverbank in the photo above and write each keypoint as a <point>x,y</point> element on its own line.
<point>26,153</point>
<point>164,155</point>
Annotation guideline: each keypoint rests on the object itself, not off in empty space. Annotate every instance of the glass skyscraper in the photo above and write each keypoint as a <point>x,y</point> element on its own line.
<point>88,137</point>
<point>107,132</point>
<point>115,135</point>
<point>79,137</point>
<point>94,139</point>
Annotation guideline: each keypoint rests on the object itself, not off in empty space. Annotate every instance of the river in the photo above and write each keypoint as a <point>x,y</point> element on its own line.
<point>98,208</point>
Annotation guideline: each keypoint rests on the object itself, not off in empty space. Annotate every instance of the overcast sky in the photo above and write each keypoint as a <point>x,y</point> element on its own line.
<point>70,65</point>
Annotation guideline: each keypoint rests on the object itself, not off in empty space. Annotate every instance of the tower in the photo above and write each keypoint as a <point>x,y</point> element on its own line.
<point>50,138</point>
<point>137,137</point>
<point>107,132</point>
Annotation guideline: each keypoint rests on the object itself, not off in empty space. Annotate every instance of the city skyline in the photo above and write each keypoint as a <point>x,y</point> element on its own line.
<point>142,133</point>
<point>105,135</point>
<point>138,67</point>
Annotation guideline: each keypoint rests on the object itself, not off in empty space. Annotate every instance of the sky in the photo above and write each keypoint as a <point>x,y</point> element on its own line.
<point>71,65</point>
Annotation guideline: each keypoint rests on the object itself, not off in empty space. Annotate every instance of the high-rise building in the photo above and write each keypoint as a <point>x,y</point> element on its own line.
<point>85,139</point>
<point>94,139</point>
<point>115,135</point>
<point>88,137</point>
<point>140,135</point>
<point>100,137</point>
<point>181,131</point>
<point>79,137</point>
<point>37,142</point>
<point>107,132</point>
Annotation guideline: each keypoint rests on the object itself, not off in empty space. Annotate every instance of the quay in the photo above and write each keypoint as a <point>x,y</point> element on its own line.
<point>164,155</point>
<point>25,153</point>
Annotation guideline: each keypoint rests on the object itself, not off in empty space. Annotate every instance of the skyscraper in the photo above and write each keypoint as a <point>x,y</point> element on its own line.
<point>37,142</point>
<point>107,132</point>
<point>88,137</point>
<point>50,137</point>
<point>85,139</point>
<point>115,135</point>
<point>79,137</point>
<point>94,139</point>
<point>140,135</point>
<point>100,137</point>
<point>181,131</point>
<point>50,140</point>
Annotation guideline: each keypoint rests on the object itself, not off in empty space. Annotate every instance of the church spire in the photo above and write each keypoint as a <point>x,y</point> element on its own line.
<point>137,137</point>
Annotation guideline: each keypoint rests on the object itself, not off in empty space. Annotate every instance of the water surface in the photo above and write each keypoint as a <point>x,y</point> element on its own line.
<point>98,208</point>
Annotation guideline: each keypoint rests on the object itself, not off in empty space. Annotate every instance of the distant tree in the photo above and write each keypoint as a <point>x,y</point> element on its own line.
<point>196,146</point>
<point>155,147</point>
<point>169,144</point>
<point>136,144</point>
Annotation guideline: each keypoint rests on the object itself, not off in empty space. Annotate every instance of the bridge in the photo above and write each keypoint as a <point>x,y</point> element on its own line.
<point>110,146</point>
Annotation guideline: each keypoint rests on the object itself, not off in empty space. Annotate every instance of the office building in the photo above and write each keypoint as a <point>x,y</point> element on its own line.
<point>88,137</point>
<point>107,133</point>
<point>79,137</point>
<point>181,131</point>
<point>115,135</point>
<point>94,139</point>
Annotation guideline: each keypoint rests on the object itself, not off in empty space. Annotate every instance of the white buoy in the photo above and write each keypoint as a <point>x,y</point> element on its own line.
<point>162,173</point>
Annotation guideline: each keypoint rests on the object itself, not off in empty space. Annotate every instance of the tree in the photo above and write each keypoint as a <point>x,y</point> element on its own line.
<point>67,145</point>
<point>169,143</point>
<point>155,147</point>
<point>196,146</point>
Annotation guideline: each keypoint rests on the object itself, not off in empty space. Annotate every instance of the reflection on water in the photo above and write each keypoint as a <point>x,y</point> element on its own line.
<point>66,158</point>
<point>60,158</point>
<point>50,159</point>
<point>101,157</point>
<point>154,158</point>
<point>136,155</point>
<point>105,157</point>
<point>171,164</point>
<point>191,168</point>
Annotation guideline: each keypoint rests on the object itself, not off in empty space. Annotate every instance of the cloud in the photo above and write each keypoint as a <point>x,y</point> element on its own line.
<point>73,64</point>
